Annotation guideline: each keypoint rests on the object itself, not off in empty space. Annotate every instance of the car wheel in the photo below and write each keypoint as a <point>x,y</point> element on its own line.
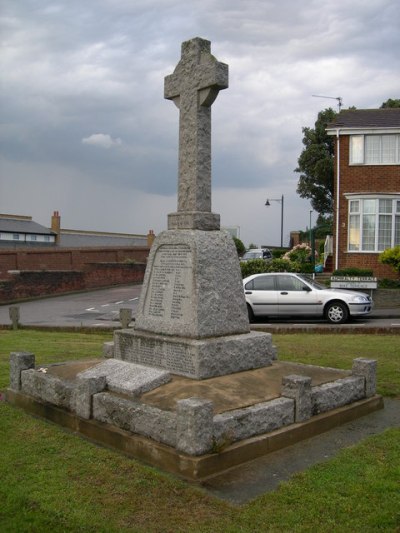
<point>250,313</point>
<point>336,312</point>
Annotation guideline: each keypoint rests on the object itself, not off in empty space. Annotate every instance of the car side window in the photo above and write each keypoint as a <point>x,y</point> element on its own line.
<point>289,283</point>
<point>249,286</point>
<point>264,283</point>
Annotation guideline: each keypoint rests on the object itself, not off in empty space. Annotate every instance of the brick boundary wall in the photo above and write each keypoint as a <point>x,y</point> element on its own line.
<point>386,298</point>
<point>32,284</point>
<point>70,259</point>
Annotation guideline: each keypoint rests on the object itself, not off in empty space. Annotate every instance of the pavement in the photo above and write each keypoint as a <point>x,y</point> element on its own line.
<point>251,479</point>
<point>386,312</point>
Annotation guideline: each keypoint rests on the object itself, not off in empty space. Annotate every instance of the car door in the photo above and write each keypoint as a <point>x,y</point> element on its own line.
<point>295,297</point>
<point>261,293</point>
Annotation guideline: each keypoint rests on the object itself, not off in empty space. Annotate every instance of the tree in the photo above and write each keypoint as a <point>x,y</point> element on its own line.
<point>240,247</point>
<point>315,164</point>
<point>391,102</point>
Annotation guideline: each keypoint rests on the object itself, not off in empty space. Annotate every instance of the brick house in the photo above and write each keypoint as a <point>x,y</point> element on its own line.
<point>366,187</point>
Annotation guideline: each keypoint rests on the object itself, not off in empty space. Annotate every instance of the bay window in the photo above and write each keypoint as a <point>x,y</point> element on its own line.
<point>374,224</point>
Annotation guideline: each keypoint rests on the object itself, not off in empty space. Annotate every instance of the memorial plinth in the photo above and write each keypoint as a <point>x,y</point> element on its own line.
<point>192,318</point>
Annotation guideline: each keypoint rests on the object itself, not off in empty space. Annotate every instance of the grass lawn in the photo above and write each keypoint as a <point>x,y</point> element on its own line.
<point>54,481</point>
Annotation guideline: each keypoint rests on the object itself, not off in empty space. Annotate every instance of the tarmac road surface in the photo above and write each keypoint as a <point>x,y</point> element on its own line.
<point>100,308</point>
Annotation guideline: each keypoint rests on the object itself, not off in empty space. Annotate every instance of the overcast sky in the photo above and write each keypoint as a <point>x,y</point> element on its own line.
<point>86,130</point>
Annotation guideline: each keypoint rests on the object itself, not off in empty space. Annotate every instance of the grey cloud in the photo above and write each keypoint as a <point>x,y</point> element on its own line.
<point>75,69</point>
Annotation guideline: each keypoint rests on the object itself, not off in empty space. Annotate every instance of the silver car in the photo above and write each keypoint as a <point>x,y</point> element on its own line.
<point>285,294</point>
<point>257,253</point>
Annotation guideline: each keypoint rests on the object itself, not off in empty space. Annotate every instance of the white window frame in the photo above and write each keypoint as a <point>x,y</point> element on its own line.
<point>358,153</point>
<point>356,228</point>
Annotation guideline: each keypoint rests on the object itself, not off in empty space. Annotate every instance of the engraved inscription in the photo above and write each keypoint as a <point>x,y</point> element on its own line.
<point>178,359</point>
<point>175,357</point>
<point>170,288</point>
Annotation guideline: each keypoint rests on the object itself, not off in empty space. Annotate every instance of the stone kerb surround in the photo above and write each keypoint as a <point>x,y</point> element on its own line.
<point>191,428</point>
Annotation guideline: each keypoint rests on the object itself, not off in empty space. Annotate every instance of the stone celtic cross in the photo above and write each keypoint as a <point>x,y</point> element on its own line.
<point>193,87</point>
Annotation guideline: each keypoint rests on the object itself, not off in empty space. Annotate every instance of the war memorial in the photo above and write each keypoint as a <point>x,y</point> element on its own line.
<point>190,388</point>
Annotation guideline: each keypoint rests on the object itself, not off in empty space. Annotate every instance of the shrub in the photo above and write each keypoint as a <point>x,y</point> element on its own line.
<point>301,254</point>
<point>389,283</point>
<point>277,253</point>
<point>253,266</point>
<point>259,266</point>
<point>353,271</point>
<point>391,257</point>
<point>280,265</point>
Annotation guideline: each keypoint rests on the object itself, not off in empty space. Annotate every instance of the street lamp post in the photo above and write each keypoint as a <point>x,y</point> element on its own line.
<point>281,201</point>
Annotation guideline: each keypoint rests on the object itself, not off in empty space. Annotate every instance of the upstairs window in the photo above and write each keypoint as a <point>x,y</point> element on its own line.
<point>375,149</point>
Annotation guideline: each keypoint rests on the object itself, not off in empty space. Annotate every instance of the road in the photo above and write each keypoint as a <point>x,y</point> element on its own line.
<point>100,308</point>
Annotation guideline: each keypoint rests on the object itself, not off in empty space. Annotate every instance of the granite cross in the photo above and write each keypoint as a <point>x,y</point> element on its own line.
<point>193,87</point>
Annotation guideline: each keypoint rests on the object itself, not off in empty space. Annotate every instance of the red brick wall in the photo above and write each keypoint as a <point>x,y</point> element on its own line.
<point>28,284</point>
<point>66,258</point>
<point>362,179</point>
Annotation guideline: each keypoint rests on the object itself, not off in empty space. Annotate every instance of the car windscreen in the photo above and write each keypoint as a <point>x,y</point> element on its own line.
<point>252,255</point>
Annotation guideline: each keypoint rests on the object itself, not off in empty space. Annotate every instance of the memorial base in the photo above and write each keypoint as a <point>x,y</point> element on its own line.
<point>193,287</point>
<point>195,358</point>
<point>193,428</point>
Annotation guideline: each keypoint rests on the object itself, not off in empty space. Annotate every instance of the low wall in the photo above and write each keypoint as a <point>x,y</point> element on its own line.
<point>66,258</point>
<point>23,285</point>
<point>386,298</point>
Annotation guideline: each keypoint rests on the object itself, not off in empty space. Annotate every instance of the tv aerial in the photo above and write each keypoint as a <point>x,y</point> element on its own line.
<point>338,98</point>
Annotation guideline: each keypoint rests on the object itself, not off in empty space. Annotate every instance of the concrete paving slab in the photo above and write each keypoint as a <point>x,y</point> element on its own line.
<point>238,390</point>
<point>127,378</point>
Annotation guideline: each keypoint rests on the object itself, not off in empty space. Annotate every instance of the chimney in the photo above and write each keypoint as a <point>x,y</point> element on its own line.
<point>56,225</point>
<point>150,238</point>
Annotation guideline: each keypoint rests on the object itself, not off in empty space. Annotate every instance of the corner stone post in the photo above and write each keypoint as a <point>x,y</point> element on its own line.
<point>83,395</point>
<point>125,316</point>
<point>298,388</point>
<point>367,369</point>
<point>194,426</point>
<point>19,361</point>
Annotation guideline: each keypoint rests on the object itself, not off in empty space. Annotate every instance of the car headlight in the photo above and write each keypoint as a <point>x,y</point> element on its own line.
<point>360,299</point>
